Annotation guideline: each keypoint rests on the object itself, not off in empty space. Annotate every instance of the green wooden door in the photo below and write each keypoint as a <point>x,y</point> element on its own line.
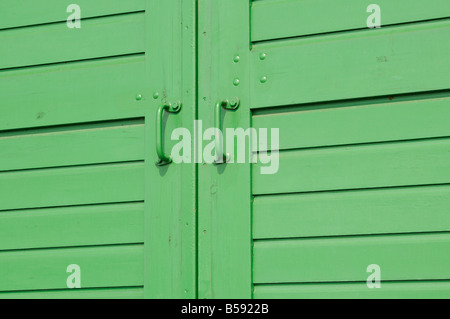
<point>364,154</point>
<point>359,178</point>
<point>78,180</point>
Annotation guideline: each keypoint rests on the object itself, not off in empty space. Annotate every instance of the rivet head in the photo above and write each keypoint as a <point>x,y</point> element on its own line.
<point>262,56</point>
<point>236,59</point>
<point>263,79</point>
<point>236,82</point>
<point>156,95</point>
<point>138,97</point>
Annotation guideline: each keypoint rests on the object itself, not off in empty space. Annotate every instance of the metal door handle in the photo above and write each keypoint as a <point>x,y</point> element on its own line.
<point>231,105</point>
<point>170,108</point>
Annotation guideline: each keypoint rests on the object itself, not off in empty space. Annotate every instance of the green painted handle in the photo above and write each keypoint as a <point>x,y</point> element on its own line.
<point>232,105</point>
<point>170,108</point>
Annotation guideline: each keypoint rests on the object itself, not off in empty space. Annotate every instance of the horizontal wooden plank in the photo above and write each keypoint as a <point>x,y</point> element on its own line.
<point>72,226</point>
<point>289,18</point>
<point>105,293</point>
<point>389,290</point>
<point>386,61</point>
<point>72,186</point>
<point>362,122</point>
<point>16,13</point>
<point>380,211</point>
<point>109,266</point>
<point>102,37</point>
<point>72,93</point>
<point>400,257</point>
<point>67,147</point>
<point>422,162</point>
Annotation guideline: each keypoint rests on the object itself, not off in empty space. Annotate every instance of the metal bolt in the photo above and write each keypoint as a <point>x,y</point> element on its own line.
<point>176,106</point>
<point>234,102</point>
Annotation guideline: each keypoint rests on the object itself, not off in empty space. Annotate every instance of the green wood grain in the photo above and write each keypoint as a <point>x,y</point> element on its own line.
<point>353,167</point>
<point>288,18</point>
<point>401,257</point>
<point>73,93</point>
<point>72,226</point>
<point>162,69</point>
<point>101,267</point>
<point>105,293</point>
<point>170,192</point>
<point>224,191</point>
<point>72,186</point>
<point>388,290</point>
<point>394,60</point>
<point>16,13</point>
<point>72,147</point>
<point>346,69</point>
<point>362,122</point>
<point>57,43</point>
<point>401,210</point>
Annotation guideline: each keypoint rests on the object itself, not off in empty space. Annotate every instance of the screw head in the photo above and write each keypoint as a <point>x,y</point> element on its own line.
<point>236,82</point>
<point>263,79</point>
<point>138,97</point>
<point>236,59</point>
<point>156,95</point>
<point>176,106</point>
<point>262,56</point>
<point>234,102</point>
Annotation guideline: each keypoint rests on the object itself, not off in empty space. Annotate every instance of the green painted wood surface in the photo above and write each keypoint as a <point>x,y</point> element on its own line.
<point>92,184</point>
<point>215,255</point>
<point>170,193</point>
<point>72,226</point>
<point>362,117</point>
<point>380,211</point>
<point>17,13</point>
<point>386,61</point>
<point>411,163</point>
<point>224,191</point>
<point>59,147</point>
<point>353,122</point>
<point>389,290</point>
<point>102,267</point>
<point>77,128</point>
<point>68,93</point>
<point>401,257</point>
<point>97,38</point>
<point>274,19</point>
<point>105,293</point>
